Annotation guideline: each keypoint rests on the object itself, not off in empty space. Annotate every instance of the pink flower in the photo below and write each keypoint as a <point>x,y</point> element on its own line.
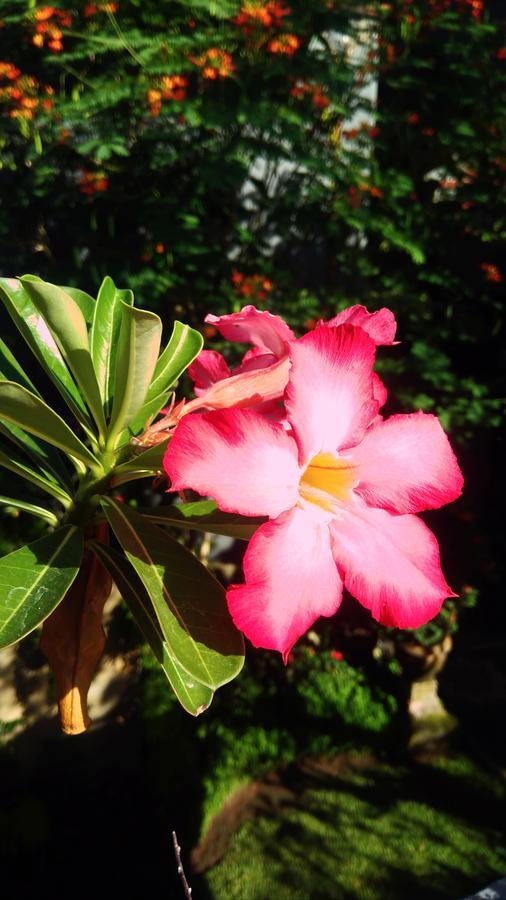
<point>219,387</point>
<point>340,488</point>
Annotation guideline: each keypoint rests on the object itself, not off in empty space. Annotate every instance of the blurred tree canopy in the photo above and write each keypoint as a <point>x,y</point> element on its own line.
<point>298,156</point>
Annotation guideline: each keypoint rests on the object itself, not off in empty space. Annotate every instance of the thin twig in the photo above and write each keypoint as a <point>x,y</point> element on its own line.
<point>180,871</point>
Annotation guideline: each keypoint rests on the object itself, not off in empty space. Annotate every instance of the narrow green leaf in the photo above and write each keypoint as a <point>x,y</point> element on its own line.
<point>193,696</point>
<point>147,413</point>
<point>184,345</point>
<point>189,603</point>
<point>45,457</point>
<point>29,412</point>
<point>32,326</point>
<point>34,580</point>
<point>39,511</point>
<point>68,327</point>
<point>14,464</point>
<point>138,347</point>
<point>204,515</point>
<point>10,369</point>
<point>85,302</point>
<point>104,336</point>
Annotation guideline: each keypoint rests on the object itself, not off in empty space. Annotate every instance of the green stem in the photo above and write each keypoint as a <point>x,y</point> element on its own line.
<point>88,493</point>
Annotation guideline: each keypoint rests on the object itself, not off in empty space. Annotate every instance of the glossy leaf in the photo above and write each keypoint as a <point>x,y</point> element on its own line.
<point>184,345</point>
<point>15,464</point>
<point>138,347</point>
<point>104,336</point>
<point>68,327</point>
<point>204,515</point>
<point>31,508</point>
<point>147,413</point>
<point>193,696</point>
<point>32,326</point>
<point>34,579</point>
<point>189,603</point>
<point>30,413</point>
<point>85,302</point>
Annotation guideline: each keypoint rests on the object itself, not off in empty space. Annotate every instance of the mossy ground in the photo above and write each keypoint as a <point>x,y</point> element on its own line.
<point>423,831</point>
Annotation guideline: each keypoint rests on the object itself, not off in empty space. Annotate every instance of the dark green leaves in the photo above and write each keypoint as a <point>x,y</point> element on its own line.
<point>24,409</point>
<point>204,515</point>
<point>193,696</point>
<point>34,579</point>
<point>189,603</point>
<point>36,333</point>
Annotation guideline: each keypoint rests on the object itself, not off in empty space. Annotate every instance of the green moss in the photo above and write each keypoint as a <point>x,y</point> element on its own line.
<point>418,832</point>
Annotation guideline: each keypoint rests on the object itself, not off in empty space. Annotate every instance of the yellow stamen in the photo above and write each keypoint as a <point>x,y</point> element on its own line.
<point>327,479</point>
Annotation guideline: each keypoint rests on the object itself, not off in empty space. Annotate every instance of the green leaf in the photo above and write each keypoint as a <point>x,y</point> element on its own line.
<point>105,334</point>
<point>143,465</point>
<point>204,515</point>
<point>85,302</point>
<point>39,511</point>
<point>193,696</point>
<point>19,467</point>
<point>10,369</point>
<point>189,603</point>
<point>184,345</point>
<point>34,580</point>
<point>138,347</point>
<point>29,412</point>
<point>46,457</point>
<point>32,326</point>
<point>148,412</point>
<point>68,327</point>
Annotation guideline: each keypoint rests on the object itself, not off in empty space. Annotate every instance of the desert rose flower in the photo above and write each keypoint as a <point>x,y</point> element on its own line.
<point>340,489</point>
<point>269,337</point>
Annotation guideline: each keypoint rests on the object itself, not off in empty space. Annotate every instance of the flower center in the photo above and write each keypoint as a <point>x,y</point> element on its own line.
<point>328,479</point>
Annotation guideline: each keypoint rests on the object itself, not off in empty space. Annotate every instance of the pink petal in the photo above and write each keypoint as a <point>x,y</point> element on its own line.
<point>380,325</point>
<point>291,580</point>
<point>379,390</point>
<point>245,389</point>
<point>254,326</point>
<point>246,464</point>
<point>406,465</point>
<point>390,564</point>
<point>208,368</point>
<point>255,359</point>
<point>329,396</point>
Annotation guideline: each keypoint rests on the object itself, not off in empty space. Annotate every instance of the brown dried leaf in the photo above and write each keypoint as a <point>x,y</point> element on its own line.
<point>73,638</point>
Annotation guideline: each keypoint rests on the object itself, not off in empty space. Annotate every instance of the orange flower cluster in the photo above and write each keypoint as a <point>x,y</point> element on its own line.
<point>370,189</point>
<point>91,9</point>
<point>215,63</point>
<point>171,87</point>
<point>438,7</point>
<point>268,15</point>
<point>314,91</point>
<point>371,131</point>
<point>21,93</point>
<point>93,182</point>
<point>253,286</point>
<point>492,273</point>
<point>48,24</point>
<point>286,44</point>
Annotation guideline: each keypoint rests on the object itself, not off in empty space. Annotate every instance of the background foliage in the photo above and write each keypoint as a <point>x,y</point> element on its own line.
<point>298,156</point>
